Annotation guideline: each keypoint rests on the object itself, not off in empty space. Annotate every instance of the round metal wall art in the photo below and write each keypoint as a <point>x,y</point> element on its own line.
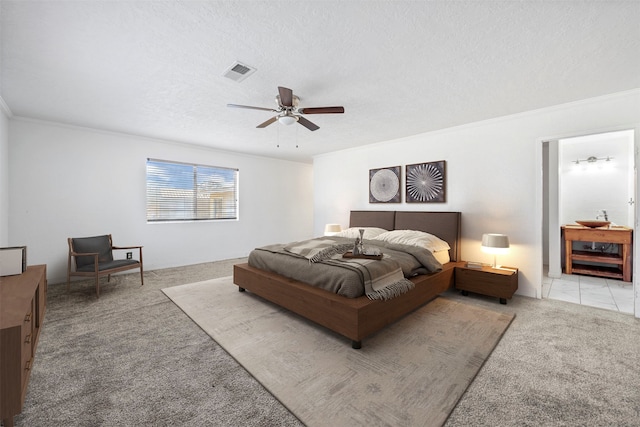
<point>425,182</point>
<point>384,185</point>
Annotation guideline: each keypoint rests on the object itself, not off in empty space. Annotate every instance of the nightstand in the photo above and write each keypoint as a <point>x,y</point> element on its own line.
<point>493,282</point>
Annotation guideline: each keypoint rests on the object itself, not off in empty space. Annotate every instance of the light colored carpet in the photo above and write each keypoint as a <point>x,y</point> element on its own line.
<point>411,373</point>
<point>133,359</point>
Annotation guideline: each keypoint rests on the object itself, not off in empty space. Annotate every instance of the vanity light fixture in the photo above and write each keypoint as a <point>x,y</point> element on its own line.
<point>592,159</point>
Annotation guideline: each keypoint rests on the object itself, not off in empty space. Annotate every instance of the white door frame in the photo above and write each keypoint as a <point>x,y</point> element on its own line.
<point>554,208</point>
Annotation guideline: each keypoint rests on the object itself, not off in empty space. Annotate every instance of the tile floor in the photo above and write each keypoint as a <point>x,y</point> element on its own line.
<point>598,292</point>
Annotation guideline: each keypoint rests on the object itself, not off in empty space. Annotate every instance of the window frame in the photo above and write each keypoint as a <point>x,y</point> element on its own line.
<point>183,196</point>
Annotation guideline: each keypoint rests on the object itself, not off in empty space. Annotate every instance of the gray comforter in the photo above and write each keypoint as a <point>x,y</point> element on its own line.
<point>336,274</point>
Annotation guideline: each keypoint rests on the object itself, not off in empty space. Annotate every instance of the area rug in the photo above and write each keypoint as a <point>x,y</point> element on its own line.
<point>412,373</point>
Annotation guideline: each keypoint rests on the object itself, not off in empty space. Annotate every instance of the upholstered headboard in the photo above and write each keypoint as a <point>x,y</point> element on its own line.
<point>381,219</point>
<point>445,225</point>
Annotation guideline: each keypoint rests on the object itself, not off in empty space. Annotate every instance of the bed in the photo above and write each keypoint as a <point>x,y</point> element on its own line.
<point>357,318</point>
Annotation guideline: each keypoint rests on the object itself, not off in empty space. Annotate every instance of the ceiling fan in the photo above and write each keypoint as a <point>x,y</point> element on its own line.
<point>288,111</point>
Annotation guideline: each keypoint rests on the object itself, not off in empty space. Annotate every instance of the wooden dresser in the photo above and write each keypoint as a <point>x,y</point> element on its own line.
<point>22,305</point>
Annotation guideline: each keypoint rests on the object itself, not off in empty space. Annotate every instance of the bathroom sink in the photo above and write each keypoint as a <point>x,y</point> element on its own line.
<point>593,223</point>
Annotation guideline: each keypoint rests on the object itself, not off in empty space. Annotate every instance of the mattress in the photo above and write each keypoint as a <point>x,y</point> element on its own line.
<point>335,275</point>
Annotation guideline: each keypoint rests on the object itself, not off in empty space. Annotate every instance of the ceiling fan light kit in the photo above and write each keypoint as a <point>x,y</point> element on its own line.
<point>288,111</point>
<point>287,120</point>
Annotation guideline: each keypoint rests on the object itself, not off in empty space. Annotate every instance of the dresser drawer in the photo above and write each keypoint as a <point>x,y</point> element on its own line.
<point>28,330</point>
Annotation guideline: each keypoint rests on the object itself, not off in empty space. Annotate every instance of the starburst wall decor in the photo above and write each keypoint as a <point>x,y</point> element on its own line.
<point>425,182</point>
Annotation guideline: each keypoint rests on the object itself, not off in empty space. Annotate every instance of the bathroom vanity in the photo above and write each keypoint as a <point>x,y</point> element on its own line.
<point>612,265</point>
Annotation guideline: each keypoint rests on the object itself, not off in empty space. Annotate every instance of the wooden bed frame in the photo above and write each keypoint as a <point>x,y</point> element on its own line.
<point>357,318</point>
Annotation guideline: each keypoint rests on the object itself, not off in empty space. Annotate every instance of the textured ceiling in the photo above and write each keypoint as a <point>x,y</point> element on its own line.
<point>399,68</point>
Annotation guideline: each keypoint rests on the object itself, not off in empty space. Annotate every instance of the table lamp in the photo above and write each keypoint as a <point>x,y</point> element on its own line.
<point>332,229</point>
<point>495,244</point>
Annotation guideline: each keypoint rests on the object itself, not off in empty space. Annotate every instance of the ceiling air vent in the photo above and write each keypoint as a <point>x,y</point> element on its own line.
<point>239,71</point>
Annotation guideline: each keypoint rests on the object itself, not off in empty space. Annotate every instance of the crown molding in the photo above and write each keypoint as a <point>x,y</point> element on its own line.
<point>5,108</point>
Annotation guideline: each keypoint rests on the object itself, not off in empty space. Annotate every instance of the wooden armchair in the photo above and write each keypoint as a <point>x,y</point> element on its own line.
<point>93,257</point>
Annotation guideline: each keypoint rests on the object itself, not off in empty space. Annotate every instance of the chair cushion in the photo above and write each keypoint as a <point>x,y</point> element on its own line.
<point>110,264</point>
<point>99,244</point>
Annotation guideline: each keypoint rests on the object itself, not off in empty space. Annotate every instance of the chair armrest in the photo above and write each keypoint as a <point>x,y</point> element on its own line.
<point>95,256</point>
<point>84,254</point>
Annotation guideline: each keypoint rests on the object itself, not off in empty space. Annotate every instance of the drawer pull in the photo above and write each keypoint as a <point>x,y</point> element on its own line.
<point>27,318</point>
<point>27,366</point>
<point>27,339</point>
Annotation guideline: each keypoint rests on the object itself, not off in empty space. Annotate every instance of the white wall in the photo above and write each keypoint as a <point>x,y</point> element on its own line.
<point>4,179</point>
<point>494,175</point>
<point>73,182</point>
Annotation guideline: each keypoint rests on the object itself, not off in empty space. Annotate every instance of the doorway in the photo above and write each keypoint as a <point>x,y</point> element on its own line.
<point>587,177</point>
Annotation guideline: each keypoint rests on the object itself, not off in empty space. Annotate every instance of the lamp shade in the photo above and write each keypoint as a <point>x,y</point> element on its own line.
<point>332,229</point>
<point>495,243</point>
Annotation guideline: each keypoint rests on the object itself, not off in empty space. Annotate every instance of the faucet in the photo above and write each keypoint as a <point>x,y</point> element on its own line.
<point>603,215</point>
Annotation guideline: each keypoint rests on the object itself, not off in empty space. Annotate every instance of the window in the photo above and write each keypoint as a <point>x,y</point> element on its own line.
<point>189,192</point>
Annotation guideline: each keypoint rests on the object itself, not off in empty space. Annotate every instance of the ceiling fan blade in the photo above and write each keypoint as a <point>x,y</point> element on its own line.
<point>251,108</point>
<point>286,96</point>
<point>321,110</point>
<point>306,123</point>
<point>268,122</point>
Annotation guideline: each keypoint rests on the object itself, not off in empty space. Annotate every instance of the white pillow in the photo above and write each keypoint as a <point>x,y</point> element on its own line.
<point>442,256</point>
<point>369,232</point>
<point>414,238</point>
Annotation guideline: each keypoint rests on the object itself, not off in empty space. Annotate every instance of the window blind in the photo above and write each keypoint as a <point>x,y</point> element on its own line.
<point>190,192</point>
